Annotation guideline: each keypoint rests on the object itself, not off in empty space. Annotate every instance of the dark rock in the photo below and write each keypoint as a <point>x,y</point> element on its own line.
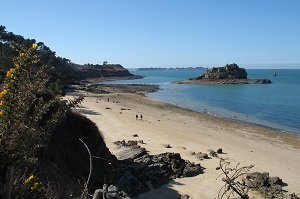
<point>275,180</point>
<point>292,196</point>
<point>141,142</point>
<point>229,74</point>
<point>269,187</point>
<point>230,71</point>
<point>131,184</point>
<point>135,135</point>
<point>212,153</point>
<point>256,179</point>
<point>185,196</point>
<point>201,155</point>
<point>191,169</point>
<point>220,151</point>
<point>131,143</point>
<point>155,169</point>
<point>167,146</point>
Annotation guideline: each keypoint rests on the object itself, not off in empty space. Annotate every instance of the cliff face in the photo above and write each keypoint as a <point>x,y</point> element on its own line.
<point>230,71</point>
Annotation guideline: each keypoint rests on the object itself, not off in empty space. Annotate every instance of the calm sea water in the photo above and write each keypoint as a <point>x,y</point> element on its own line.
<point>275,105</point>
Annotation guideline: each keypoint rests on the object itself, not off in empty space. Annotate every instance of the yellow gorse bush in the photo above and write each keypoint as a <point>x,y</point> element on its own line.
<point>29,179</point>
<point>29,114</point>
<point>3,93</point>
<point>34,45</point>
<point>10,73</point>
<point>35,186</point>
<point>32,183</point>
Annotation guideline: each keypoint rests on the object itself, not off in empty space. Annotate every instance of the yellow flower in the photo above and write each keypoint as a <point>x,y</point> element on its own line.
<point>22,54</point>
<point>10,73</point>
<point>34,45</point>
<point>35,186</point>
<point>1,103</point>
<point>17,65</point>
<point>3,93</point>
<point>28,179</point>
<point>1,113</point>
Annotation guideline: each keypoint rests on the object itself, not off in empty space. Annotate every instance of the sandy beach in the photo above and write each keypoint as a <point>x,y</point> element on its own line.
<point>187,131</point>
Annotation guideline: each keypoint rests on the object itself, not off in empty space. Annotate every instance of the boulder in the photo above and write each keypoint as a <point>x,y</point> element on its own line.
<point>212,153</point>
<point>201,155</point>
<point>219,151</point>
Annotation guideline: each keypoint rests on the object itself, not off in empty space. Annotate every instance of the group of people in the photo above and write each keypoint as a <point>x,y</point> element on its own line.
<point>137,116</point>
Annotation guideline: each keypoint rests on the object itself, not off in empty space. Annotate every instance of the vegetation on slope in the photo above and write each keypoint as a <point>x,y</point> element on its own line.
<point>39,133</point>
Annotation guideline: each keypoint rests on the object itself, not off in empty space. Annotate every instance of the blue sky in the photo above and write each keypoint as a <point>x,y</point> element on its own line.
<point>164,33</point>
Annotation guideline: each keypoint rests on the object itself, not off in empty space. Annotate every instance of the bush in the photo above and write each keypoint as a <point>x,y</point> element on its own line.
<point>28,115</point>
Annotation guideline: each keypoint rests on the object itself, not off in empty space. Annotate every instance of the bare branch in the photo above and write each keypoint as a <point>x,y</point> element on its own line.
<point>85,191</point>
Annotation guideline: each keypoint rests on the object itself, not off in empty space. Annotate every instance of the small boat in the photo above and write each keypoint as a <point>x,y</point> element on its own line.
<point>275,74</point>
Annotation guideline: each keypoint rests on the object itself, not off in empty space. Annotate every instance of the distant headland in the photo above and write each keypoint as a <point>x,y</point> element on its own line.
<point>176,68</point>
<point>229,74</point>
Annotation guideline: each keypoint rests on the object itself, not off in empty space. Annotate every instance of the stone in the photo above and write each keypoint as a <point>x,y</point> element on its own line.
<point>124,153</point>
<point>212,153</point>
<point>184,196</point>
<point>141,142</point>
<point>201,155</point>
<point>275,180</point>
<point>220,151</point>
<point>167,146</point>
<point>256,179</point>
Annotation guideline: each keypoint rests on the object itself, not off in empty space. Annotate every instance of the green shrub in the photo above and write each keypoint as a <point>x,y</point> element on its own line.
<point>28,115</point>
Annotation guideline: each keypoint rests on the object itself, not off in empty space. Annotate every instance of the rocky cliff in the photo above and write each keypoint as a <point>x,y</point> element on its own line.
<point>229,74</point>
<point>230,71</point>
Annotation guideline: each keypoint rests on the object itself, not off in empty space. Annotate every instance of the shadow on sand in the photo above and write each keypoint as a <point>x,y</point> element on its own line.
<point>87,111</point>
<point>164,191</point>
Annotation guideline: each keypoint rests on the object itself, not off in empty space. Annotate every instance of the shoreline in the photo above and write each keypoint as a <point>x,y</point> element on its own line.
<point>189,131</point>
<point>266,130</point>
<point>235,119</point>
<point>144,89</point>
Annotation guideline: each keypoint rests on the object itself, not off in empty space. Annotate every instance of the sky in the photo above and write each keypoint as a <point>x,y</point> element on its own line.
<point>162,33</point>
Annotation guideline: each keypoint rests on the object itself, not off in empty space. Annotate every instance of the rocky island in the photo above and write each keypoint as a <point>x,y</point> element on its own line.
<point>229,74</point>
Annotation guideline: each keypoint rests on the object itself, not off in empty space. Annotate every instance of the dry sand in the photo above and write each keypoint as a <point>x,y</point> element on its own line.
<point>270,150</point>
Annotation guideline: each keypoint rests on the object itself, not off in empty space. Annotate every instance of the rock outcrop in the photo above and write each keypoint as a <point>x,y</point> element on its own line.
<point>230,71</point>
<point>142,172</point>
<point>269,187</point>
<point>229,74</point>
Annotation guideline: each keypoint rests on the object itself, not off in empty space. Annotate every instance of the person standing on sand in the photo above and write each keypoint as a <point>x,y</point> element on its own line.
<point>141,116</point>
<point>136,116</point>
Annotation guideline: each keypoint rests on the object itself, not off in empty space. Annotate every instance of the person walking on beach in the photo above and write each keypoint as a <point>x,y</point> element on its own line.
<point>136,116</point>
<point>141,116</point>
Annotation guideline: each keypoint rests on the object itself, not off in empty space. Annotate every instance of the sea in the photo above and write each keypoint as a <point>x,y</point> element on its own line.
<point>275,105</point>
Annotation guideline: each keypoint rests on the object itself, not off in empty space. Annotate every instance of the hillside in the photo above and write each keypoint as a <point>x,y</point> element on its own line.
<point>64,69</point>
